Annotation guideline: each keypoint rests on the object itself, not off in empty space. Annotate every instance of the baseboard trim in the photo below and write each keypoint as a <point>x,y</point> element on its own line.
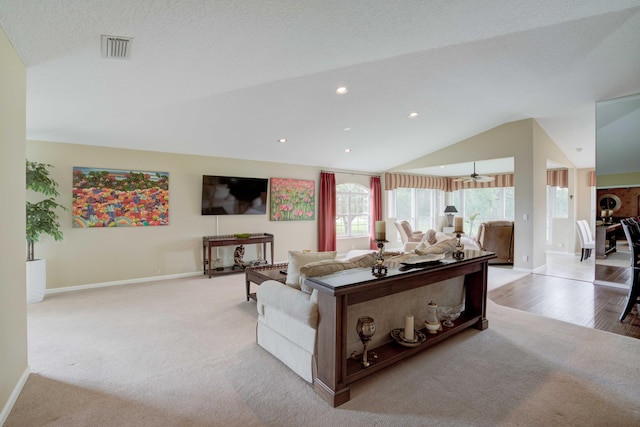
<point>13,397</point>
<point>119,283</point>
<point>611,284</point>
<point>522,270</point>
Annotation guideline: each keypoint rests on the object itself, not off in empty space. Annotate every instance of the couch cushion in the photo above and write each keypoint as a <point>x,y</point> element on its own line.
<point>430,237</point>
<point>443,244</point>
<point>299,259</point>
<point>297,305</point>
<point>322,268</point>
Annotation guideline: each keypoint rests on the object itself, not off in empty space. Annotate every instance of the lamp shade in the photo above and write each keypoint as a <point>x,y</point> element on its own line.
<point>450,209</point>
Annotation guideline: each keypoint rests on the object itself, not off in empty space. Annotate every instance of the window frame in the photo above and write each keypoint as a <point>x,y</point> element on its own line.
<point>366,202</point>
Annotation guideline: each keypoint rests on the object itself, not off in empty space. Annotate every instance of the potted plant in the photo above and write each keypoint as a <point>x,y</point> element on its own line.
<point>41,219</point>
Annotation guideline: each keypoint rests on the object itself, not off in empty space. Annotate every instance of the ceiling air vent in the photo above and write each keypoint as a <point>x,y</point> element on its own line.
<point>116,47</point>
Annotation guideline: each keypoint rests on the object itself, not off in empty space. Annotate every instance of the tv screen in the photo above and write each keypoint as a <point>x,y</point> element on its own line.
<point>226,195</point>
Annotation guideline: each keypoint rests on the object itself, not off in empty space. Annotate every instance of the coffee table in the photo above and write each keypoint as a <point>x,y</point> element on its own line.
<point>263,273</point>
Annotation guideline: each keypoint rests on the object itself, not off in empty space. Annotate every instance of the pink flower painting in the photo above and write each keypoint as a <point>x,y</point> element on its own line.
<point>293,199</point>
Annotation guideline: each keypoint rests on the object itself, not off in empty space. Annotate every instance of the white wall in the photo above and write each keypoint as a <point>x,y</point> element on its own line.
<point>100,255</point>
<point>13,317</point>
<point>530,146</point>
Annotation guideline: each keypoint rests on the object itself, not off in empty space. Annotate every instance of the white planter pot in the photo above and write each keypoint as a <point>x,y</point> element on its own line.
<point>36,280</point>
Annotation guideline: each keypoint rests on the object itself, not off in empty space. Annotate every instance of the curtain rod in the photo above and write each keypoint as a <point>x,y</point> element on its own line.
<point>352,173</point>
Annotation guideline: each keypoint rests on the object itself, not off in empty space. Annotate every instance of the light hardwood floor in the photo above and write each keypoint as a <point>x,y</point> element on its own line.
<point>564,290</point>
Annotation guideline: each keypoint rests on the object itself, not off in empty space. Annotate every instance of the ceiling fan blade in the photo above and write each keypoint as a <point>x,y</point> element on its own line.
<point>481,178</point>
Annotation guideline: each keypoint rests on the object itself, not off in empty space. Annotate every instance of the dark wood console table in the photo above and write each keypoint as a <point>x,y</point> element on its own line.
<point>231,240</point>
<point>606,239</point>
<point>336,292</point>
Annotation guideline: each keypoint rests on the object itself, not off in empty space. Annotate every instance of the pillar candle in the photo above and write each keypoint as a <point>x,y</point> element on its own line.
<point>408,328</point>
<point>458,223</point>
<point>381,231</point>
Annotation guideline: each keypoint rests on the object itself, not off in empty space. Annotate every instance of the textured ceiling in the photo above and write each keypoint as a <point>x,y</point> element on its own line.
<point>229,78</point>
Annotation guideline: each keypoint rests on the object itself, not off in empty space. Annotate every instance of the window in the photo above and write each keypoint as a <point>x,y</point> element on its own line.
<point>418,206</point>
<point>352,210</point>
<point>488,203</point>
<point>557,207</point>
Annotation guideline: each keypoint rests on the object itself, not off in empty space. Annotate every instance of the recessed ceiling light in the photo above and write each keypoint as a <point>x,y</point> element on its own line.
<point>342,90</point>
<point>347,150</point>
<point>347,129</point>
<point>282,140</point>
<point>413,115</point>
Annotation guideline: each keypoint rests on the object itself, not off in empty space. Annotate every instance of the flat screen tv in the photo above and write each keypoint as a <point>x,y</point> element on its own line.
<point>227,195</point>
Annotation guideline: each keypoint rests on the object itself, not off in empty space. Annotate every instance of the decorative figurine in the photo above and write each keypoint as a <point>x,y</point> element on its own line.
<point>238,254</point>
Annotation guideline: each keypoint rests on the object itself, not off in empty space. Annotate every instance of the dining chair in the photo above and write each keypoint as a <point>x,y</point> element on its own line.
<point>587,243</point>
<point>631,230</point>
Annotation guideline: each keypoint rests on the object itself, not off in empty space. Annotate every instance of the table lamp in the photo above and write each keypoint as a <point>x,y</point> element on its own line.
<point>449,210</point>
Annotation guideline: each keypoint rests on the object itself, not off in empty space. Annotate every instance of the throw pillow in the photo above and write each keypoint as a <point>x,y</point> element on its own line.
<point>322,268</point>
<point>448,245</point>
<point>430,237</point>
<point>298,259</point>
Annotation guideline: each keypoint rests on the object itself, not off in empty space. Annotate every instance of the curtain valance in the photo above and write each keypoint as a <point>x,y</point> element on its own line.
<point>558,178</point>
<point>399,180</point>
<point>555,178</point>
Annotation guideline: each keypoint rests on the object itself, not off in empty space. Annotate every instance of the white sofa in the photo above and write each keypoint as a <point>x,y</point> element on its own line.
<point>288,313</point>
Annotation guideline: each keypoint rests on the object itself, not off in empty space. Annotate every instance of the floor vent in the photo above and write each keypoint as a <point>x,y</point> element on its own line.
<point>116,47</point>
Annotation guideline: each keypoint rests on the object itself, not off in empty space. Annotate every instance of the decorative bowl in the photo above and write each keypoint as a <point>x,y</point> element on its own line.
<point>449,314</point>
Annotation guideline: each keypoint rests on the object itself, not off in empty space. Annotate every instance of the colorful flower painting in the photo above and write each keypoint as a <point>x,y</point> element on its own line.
<point>293,199</point>
<point>119,198</point>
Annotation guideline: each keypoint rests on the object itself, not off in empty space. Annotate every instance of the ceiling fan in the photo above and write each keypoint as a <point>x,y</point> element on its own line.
<point>474,177</point>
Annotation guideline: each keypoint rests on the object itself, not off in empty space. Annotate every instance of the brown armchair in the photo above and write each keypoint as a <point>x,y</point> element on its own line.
<point>497,236</point>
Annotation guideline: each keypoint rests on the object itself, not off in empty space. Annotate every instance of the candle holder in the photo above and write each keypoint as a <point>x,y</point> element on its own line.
<point>365,328</point>
<point>459,252</point>
<point>379,269</point>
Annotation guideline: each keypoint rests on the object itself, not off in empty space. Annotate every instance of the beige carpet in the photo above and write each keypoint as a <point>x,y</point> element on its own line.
<point>183,353</point>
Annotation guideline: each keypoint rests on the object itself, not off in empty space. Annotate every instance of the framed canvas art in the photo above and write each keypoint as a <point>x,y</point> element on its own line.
<point>292,199</point>
<point>119,198</point>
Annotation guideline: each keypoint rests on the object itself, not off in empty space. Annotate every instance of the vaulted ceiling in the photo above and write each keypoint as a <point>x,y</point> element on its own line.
<point>230,78</point>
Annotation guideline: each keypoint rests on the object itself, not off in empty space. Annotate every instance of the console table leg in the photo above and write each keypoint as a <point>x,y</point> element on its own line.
<point>334,398</point>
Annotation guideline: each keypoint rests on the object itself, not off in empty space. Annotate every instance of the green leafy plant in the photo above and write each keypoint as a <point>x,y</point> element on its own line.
<point>41,216</point>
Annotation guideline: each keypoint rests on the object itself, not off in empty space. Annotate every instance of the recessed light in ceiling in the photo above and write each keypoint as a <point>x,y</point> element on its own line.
<point>282,140</point>
<point>347,129</point>
<point>413,115</point>
<point>342,90</point>
<point>347,150</point>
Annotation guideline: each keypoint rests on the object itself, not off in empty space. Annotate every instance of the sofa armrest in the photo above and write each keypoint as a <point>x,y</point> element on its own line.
<point>299,305</point>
